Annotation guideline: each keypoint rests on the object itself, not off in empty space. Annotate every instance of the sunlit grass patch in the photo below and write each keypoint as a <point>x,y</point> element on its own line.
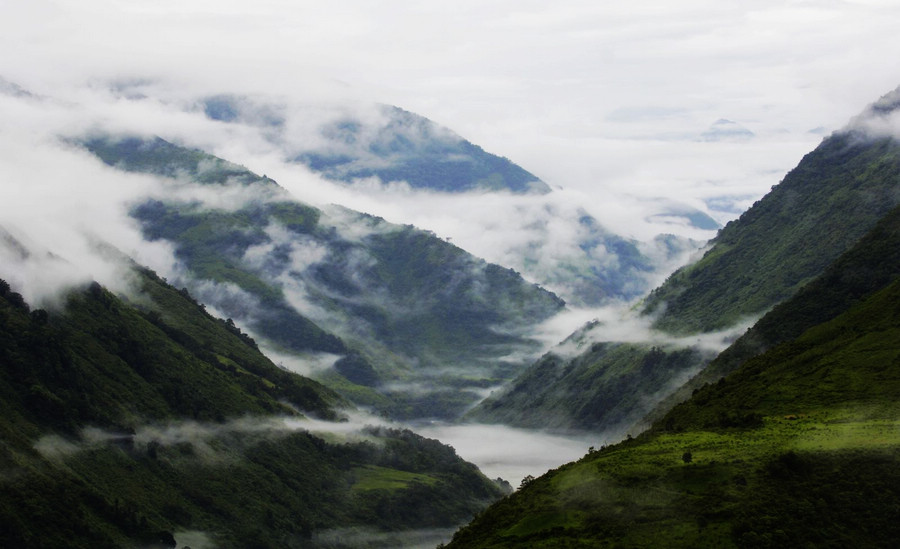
<point>373,477</point>
<point>539,522</point>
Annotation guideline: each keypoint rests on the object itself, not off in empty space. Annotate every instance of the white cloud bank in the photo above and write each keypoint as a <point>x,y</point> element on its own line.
<point>588,95</point>
<point>605,102</point>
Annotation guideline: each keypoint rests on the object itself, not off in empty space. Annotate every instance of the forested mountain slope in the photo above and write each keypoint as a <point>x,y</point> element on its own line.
<point>607,389</point>
<point>818,211</point>
<point>798,447</point>
<point>867,267</point>
<point>131,421</point>
<point>401,304</point>
<point>821,209</point>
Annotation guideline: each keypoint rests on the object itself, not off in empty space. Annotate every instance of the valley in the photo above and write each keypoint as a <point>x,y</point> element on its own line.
<point>203,353</point>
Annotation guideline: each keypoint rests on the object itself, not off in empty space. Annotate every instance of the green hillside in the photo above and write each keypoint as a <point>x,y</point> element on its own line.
<point>867,267</point>
<point>821,208</point>
<point>606,389</point>
<point>838,193</point>
<point>131,421</point>
<point>409,307</point>
<point>798,448</point>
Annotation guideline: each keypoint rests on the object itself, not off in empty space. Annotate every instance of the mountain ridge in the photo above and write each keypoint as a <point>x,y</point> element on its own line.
<point>130,421</point>
<point>409,304</point>
<point>798,445</point>
<point>835,196</point>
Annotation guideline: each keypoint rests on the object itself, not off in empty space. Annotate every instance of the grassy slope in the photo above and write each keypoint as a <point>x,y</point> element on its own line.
<point>823,206</point>
<point>872,263</point>
<point>122,423</point>
<point>796,448</point>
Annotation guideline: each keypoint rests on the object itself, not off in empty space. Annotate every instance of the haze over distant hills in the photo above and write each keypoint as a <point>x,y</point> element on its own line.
<point>388,319</point>
<point>376,158</point>
<point>790,436</point>
<point>836,194</point>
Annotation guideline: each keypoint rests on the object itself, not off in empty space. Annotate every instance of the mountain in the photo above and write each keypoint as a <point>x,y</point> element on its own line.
<point>391,162</point>
<point>393,146</point>
<point>13,89</point>
<point>821,209</point>
<point>142,420</point>
<point>422,326</point>
<point>870,265</point>
<point>797,447</point>
<point>604,389</point>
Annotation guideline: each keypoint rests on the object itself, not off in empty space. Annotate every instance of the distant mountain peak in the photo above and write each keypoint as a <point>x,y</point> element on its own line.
<point>377,141</point>
<point>13,89</point>
<point>888,103</point>
<point>878,120</point>
<point>404,146</point>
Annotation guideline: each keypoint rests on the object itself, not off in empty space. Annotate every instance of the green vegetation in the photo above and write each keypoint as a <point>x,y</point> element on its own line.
<point>212,244</point>
<point>406,305</point>
<point>371,477</point>
<point>796,448</point>
<point>157,156</point>
<point>455,304</point>
<point>842,197</point>
<point>605,389</point>
<point>124,421</point>
<point>821,208</point>
<point>867,267</point>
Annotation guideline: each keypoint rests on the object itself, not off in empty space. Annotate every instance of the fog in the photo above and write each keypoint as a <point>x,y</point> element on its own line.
<point>610,104</point>
<point>542,236</point>
<point>371,539</point>
<point>352,428</point>
<point>59,204</point>
<point>499,451</point>
<point>508,452</point>
<point>879,119</point>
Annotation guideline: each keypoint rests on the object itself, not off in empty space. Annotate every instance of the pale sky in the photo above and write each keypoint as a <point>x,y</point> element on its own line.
<point>586,94</point>
<point>606,100</point>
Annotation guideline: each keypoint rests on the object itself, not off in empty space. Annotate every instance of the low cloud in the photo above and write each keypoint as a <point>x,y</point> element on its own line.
<point>354,427</point>
<point>511,453</point>
<point>63,205</point>
<point>499,451</point>
<point>878,120</point>
<point>310,364</point>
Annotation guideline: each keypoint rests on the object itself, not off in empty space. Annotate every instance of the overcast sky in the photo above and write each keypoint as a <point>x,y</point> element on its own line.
<point>602,97</point>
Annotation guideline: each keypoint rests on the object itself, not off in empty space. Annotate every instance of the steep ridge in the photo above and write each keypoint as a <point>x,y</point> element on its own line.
<point>836,194</point>
<point>136,421</point>
<point>796,447</point>
<point>819,210</point>
<point>606,389</point>
<point>867,267</point>
<point>408,307</point>
<point>394,145</point>
<point>395,157</point>
<point>391,162</point>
